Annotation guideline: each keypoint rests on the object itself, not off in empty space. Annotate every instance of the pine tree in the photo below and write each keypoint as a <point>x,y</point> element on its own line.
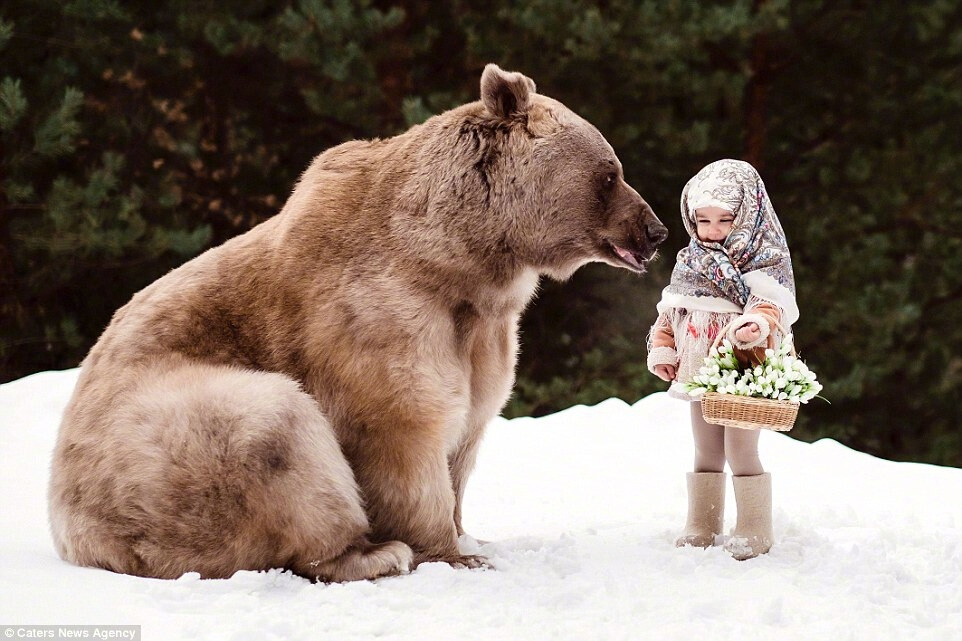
<point>76,213</point>
<point>133,135</point>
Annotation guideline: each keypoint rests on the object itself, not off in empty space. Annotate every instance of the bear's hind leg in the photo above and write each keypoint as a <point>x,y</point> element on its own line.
<point>240,470</point>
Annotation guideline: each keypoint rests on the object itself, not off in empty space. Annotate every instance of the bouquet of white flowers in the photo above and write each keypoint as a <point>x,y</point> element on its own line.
<point>764,396</point>
<point>783,376</point>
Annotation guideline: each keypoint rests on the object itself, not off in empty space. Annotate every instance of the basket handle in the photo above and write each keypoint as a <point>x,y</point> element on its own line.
<point>724,331</point>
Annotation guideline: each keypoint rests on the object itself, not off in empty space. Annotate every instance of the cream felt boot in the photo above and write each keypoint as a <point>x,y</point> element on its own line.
<point>753,531</point>
<point>706,509</point>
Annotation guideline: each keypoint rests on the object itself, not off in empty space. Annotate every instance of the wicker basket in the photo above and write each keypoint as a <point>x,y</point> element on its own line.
<point>748,412</point>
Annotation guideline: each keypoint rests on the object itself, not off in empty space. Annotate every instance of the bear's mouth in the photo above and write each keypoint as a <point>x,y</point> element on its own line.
<point>632,258</point>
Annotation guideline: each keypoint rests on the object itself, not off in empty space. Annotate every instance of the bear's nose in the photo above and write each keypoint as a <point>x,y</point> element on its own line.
<point>655,232</point>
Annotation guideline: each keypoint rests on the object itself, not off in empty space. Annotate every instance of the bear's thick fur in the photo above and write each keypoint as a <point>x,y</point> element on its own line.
<point>311,395</point>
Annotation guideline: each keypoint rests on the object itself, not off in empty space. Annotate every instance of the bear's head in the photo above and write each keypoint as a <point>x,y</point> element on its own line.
<point>552,185</point>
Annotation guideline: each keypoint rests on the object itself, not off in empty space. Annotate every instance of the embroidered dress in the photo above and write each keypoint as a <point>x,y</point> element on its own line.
<point>713,283</point>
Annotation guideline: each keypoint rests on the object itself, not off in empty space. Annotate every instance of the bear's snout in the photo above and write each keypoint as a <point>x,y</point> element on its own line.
<point>651,231</point>
<point>655,231</point>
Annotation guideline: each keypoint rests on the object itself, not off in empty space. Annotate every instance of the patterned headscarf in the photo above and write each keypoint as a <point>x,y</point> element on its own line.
<point>752,261</point>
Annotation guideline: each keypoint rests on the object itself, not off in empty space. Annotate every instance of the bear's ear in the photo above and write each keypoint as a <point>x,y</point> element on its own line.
<point>505,93</point>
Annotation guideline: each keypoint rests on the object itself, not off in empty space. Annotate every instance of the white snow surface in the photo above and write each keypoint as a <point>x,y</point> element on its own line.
<point>581,509</point>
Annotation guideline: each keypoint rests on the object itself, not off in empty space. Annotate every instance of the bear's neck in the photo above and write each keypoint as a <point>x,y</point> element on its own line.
<point>419,205</point>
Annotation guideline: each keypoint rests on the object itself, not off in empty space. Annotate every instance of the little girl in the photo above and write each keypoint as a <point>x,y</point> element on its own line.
<point>736,267</point>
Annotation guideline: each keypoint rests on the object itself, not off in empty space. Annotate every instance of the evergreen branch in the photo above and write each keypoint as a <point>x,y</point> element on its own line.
<point>12,103</point>
<point>6,32</point>
<point>55,136</point>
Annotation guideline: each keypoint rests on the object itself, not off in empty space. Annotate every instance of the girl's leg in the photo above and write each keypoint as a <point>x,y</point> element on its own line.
<point>741,450</point>
<point>706,485</point>
<point>709,443</point>
<point>753,495</point>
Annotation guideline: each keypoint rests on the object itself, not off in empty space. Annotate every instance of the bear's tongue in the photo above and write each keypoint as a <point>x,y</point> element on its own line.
<point>627,256</point>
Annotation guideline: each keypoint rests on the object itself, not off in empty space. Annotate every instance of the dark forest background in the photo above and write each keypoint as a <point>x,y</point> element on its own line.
<point>134,135</point>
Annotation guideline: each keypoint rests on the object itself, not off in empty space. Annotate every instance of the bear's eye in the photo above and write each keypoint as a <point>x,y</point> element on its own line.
<point>609,180</point>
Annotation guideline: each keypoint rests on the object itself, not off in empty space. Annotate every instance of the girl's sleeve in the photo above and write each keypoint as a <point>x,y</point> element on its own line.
<point>767,315</point>
<point>661,342</point>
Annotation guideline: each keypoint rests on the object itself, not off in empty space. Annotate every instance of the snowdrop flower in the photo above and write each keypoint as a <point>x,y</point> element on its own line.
<point>782,376</point>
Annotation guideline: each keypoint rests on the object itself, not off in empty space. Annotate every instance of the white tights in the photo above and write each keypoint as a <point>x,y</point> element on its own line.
<point>715,443</point>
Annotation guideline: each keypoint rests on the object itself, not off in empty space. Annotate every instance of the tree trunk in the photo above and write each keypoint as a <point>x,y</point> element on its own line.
<point>756,96</point>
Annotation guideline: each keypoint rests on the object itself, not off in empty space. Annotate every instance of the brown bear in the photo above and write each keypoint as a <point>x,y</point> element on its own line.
<point>311,395</point>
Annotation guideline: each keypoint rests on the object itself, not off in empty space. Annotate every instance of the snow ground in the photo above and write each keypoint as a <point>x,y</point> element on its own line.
<point>581,509</point>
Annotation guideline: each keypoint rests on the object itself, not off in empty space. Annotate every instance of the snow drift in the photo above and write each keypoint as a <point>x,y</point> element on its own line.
<point>581,509</point>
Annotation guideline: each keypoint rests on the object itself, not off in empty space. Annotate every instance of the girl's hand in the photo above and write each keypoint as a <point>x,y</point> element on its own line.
<point>748,333</point>
<point>666,372</point>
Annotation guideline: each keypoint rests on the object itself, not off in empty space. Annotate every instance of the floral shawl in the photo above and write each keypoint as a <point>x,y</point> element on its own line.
<point>752,262</point>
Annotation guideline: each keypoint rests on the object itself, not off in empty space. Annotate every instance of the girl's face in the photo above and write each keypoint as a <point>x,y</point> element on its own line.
<point>713,224</point>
